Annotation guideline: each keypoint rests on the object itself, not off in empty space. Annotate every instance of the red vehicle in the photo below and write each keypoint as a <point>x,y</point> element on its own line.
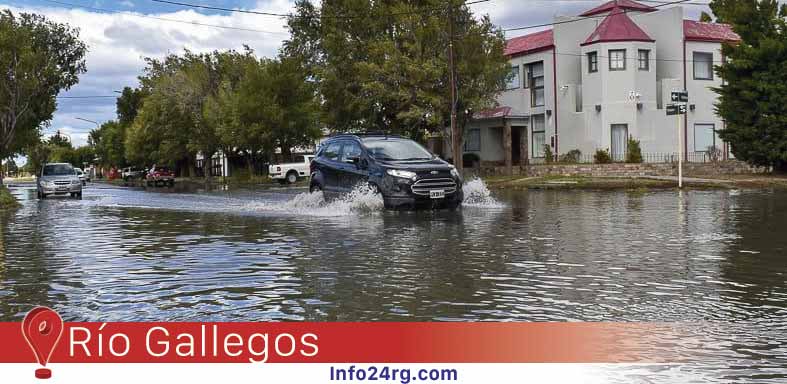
<point>159,176</point>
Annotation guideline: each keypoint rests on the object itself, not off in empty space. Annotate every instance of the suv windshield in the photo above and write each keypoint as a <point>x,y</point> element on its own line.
<point>58,170</point>
<point>396,149</point>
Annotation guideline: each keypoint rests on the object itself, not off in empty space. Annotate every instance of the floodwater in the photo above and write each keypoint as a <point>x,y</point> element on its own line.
<point>716,260</point>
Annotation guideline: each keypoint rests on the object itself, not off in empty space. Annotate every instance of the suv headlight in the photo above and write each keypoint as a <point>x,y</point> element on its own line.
<point>455,173</point>
<point>76,181</point>
<point>401,173</point>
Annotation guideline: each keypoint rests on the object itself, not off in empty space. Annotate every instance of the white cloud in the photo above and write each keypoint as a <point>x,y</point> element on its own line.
<point>119,42</point>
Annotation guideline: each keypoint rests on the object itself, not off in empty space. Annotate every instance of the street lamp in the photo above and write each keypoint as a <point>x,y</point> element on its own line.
<point>89,121</point>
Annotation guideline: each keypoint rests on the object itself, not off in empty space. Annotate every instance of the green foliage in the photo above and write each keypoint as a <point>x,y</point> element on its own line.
<point>387,68</point>
<point>753,97</point>
<point>38,59</point>
<point>128,105</point>
<point>633,151</point>
<point>549,156</point>
<point>571,157</point>
<point>7,200</point>
<point>108,144</point>
<point>602,156</point>
<point>705,17</point>
<point>57,150</point>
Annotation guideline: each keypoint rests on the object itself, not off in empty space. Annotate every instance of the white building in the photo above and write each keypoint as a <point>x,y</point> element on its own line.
<point>597,78</point>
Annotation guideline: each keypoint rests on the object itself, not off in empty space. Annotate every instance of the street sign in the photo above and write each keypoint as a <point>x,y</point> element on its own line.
<point>680,97</point>
<point>675,109</point>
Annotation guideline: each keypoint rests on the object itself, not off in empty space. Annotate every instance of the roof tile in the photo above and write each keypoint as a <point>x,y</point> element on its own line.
<point>531,43</point>
<point>699,31</point>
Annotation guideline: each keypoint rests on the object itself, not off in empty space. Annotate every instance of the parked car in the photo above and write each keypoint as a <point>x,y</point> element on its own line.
<point>158,176</point>
<point>83,177</point>
<point>58,179</point>
<point>291,172</point>
<point>131,173</point>
<point>401,170</point>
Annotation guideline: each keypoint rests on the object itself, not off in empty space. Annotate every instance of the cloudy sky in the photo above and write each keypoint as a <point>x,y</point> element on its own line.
<point>121,33</point>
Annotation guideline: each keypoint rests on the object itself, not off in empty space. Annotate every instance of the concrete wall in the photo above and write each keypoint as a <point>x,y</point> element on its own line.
<point>731,167</point>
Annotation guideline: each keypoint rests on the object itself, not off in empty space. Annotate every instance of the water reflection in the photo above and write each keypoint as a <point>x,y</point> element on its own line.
<point>710,259</point>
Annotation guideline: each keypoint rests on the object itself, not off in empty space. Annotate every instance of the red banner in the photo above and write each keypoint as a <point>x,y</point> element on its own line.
<point>344,342</point>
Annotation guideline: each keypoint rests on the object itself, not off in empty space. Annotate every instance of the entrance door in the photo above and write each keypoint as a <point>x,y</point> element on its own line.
<point>516,150</point>
<point>620,134</point>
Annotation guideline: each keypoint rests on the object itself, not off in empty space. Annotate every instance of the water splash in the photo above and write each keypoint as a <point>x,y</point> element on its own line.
<point>477,195</point>
<point>361,200</point>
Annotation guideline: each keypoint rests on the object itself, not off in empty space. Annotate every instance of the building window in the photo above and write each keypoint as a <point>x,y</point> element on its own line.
<point>513,78</point>
<point>536,71</point>
<point>644,60</point>
<point>539,136</point>
<point>617,59</point>
<point>473,140</point>
<point>704,137</point>
<point>593,62</point>
<point>703,66</point>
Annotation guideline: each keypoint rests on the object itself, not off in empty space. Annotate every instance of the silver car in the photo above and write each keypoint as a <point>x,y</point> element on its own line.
<point>58,179</point>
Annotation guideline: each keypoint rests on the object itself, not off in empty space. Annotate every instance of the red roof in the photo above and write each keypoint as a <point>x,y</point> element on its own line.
<point>531,43</point>
<point>622,4</point>
<point>617,26</point>
<point>699,31</point>
<point>493,113</point>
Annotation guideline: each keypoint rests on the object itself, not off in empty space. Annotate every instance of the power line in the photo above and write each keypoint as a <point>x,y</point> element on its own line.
<point>200,6</point>
<point>583,18</point>
<point>86,97</point>
<point>163,19</point>
<point>268,13</point>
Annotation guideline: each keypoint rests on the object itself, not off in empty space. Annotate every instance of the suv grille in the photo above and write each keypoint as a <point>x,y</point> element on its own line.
<point>423,186</point>
<point>62,182</point>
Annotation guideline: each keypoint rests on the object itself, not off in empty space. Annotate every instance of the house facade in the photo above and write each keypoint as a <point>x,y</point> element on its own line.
<point>596,79</point>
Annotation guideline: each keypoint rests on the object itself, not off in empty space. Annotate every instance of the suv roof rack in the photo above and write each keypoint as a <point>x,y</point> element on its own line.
<point>367,134</point>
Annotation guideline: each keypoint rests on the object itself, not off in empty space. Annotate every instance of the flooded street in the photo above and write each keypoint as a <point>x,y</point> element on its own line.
<point>712,259</point>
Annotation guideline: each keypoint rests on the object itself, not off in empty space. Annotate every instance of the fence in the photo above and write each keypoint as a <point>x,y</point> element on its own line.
<point>652,158</point>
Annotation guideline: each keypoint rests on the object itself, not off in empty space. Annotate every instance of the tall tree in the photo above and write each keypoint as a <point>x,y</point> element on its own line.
<point>384,65</point>
<point>753,98</point>
<point>39,59</point>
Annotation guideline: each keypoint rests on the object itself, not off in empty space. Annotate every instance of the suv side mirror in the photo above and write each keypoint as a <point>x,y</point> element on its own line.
<point>353,159</point>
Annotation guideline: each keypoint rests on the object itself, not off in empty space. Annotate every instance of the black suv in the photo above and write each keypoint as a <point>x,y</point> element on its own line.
<point>404,172</point>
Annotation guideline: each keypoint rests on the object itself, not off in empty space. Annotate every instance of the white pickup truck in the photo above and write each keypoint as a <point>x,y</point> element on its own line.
<point>291,172</point>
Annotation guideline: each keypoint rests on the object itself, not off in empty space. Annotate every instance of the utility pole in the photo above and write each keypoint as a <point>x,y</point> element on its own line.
<point>456,134</point>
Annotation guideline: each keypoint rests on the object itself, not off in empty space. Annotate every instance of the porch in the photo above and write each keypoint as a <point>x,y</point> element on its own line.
<point>497,138</point>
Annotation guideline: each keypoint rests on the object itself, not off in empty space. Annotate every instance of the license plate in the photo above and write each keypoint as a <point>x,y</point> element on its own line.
<point>437,194</point>
<point>62,189</point>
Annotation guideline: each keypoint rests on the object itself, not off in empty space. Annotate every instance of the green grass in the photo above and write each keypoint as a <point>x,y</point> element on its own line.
<point>7,200</point>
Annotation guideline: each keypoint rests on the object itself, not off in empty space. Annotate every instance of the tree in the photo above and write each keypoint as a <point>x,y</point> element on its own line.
<point>753,97</point>
<point>39,59</point>
<point>173,125</point>
<point>386,68</point>
<point>705,17</point>
<point>108,144</point>
<point>128,104</point>
<point>278,104</point>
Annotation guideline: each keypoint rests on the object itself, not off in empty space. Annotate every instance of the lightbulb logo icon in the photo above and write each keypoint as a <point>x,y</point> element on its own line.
<point>42,328</point>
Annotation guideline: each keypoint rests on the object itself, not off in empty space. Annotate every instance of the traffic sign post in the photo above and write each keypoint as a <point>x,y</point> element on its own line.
<point>679,110</point>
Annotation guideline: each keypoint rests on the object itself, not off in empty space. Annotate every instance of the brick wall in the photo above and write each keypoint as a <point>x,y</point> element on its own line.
<point>623,170</point>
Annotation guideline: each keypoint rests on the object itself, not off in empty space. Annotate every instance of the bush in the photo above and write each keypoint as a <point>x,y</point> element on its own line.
<point>714,153</point>
<point>602,156</point>
<point>470,160</point>
<point>549,156</point>
<point>573,156</point>
<point>634,152</point>
<point>7,200</point>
